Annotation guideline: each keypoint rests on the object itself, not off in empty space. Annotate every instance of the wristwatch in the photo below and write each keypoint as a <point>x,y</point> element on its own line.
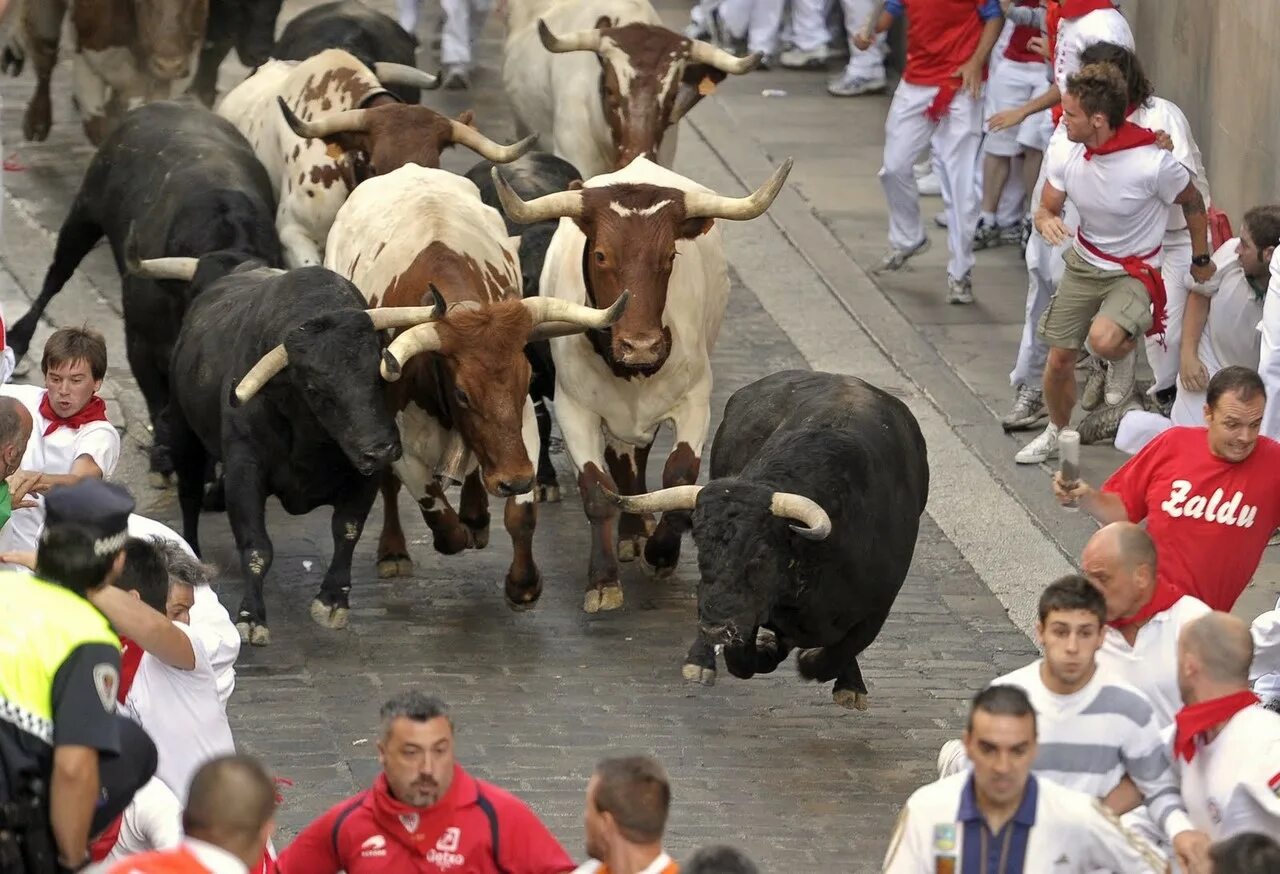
<point>1202,260</point>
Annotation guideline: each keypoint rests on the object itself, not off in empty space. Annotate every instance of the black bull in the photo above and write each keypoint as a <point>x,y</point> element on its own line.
<point>180,181</point>
<point>765,587</point>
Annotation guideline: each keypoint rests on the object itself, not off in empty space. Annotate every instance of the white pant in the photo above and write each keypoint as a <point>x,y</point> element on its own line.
<point>1012,84</point>
<point>955,143</point>
<point>1269,358</point>
<point>1176,271</point>
<point>463,21</point>
<point>809,31</point>
<point>757,21</point>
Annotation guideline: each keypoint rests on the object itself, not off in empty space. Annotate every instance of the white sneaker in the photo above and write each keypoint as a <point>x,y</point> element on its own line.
<point>922,168</point>
<point>798,59</point>
<point>941,219</point>
<point>929,186</point>
<point>895,258</point>
<point>1120,376</point>
<point>1040,449</point>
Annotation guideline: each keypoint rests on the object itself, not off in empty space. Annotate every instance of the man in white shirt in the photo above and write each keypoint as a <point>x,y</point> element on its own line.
<point>626,814</point>
<point>152,821</point>
<point>1123,184</point>
<point>172,692</point>
<point>1264,673</point>
<point>15,433</point>
<point>998,816</point>
<point>72,438</point>
<point>228,820</point>
<point>1092,729</point>
<point>1269,354</point>
<point>1219,327</point>
<point>1226,746</point>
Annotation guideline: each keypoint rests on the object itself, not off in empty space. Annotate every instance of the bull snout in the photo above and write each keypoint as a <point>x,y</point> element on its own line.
<point>516,486</point>
<point>639,350</point>
<point>377,457</point>
<point>717,634</point>
<point>169,68</point>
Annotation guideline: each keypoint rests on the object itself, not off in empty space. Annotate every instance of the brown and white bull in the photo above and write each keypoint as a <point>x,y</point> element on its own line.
<point>420,234</point>
<point>323,125</point>
<point>647,231</point>
<point>602,82</point>
<point>127,52</point>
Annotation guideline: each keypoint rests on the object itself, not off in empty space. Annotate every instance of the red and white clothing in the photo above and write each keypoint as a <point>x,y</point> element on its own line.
<point>664,864</point>
<point>929,109</point>
<point>1210,518</point>
<point>476,827</point>
<point>152,821</point>
<point>54,448</point>
<point>192,857</point>
<point>1269,353</point>
<point>1232,783</point>
<point>182,713</point>
<point>1018,75</point>
<point>1077,33</point>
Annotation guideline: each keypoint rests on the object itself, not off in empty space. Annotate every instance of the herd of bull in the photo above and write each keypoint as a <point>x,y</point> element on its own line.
<point>310,303</point>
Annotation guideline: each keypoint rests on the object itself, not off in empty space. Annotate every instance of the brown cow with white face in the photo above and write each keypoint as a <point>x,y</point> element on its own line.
<point>128,52</point>
<point>461,400</point>
<point>603,82</point>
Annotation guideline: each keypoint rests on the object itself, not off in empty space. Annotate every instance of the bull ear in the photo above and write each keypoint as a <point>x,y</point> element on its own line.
<point>467,117</point>
<point>575,185</point>
<point>434,298</point>
<point>695,227</point>
<point>604,22</point>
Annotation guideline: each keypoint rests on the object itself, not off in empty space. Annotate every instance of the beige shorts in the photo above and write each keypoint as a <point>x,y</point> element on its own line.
<point>1087,291</point>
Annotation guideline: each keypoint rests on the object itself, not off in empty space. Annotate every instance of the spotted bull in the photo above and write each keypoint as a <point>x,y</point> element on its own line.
<point>651,233</point>
<point>462,398</point>
<point>602,82</point>
<point>806,529</point>
<point>323,125</point>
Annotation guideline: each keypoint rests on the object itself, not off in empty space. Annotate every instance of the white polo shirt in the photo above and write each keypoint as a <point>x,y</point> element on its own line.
<point>209,619</point>
<point>182,713</point>
<point>1077,34</point>
<point>1160,114</point>
<point>1232,784</point>
<point>53,454</point>
<point>1123,198</point>
<point>1151,664</point>
<point>1063,832</point>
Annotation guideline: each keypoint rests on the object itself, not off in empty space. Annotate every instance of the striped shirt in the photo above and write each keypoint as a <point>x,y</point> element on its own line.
<point>1089,739</point>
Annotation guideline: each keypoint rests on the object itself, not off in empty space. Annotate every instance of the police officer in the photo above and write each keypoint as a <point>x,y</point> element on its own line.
<point>68,763</point>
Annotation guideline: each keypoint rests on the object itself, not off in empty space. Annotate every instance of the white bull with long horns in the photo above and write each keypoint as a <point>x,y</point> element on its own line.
<point>322,125</point>
<point>602,81</point>
<point>647,232</point>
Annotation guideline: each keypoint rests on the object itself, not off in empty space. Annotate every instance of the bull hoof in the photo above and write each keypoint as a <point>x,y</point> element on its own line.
<point>334,617</point>
<point>657,572</point>
<point>260,636</point>
<point>698,674</point>
<point>523,595</point>
<point>479,538</point>
<point>810,667</point>
<point>159,480</point>
<point>243,629</point>
<point>631,548</point>
<point>546,494</point>
<point>607,597</point>
<point>851,700</point>
<point>452,541</point>
<point>395,566</point>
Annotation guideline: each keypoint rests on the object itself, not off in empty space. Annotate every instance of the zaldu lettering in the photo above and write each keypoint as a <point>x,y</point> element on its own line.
<point>1212,509</point>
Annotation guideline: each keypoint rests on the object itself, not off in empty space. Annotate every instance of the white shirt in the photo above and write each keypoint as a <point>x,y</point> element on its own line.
<point>1072,834</point>
<point>1123,198</point>
<point>1160,114</point>
<point>182,713</point>
<point>1230,336</point>
<point>209,619</point>
<point>1077,34</point>
<point>657,866</point>
<point>152,821</point>
<point>54,454</point>
<point>1265,671</point>
<point>1269,357</point>
<point>215,859</point>
<point>1151,663</point>
<point>1232,785</point>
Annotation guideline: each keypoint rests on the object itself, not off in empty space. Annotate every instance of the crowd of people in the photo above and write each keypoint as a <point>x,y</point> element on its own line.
<point>1147,735</point>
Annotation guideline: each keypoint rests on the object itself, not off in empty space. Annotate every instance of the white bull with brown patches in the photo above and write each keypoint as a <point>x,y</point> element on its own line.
<point>323,125</point>
<point>462,399</point>
<point>602,81</point>
<point>647,232</point>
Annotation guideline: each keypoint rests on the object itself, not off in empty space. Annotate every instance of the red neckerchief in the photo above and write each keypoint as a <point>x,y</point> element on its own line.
<point>130,657</point>
<point>402,821</point>
<point>1195,719</point>
<point>94,411</point>
<point>1164,597</point>
<point>1127,136</point>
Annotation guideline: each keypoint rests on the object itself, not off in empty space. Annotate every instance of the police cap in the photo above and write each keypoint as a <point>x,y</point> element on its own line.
<point>99,508</point>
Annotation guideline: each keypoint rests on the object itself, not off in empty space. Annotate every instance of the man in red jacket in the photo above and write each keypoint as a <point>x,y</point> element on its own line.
<point>424,813</point>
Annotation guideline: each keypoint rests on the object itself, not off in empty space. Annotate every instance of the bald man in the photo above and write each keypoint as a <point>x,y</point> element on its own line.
<point>1226,746</point>
<point>15,431</point>
<point>228,820</point>
<point>1145,614</point>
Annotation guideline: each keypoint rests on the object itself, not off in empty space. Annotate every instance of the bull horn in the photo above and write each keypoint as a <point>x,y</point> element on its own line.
<point>687,97</point>
<point>403,74</point>
<point>557,315</point>
<point>706,204</point>
<point>661,501</point>
<point>164,268</point>
<point>348,121</point>
<point>817,524</point>
<point>406,317</point>
<point>477,142</point>
<point>712,56</point>
<point>578,41</point>
<point>268,366</point>
<point>420,338</point>
<point>557,205</point>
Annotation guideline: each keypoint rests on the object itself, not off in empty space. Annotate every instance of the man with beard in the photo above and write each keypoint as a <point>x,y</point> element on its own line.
<point>627,804</point>
<point>424,813</point>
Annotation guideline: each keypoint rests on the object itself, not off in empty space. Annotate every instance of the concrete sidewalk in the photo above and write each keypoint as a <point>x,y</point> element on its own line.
<point>958,356</point>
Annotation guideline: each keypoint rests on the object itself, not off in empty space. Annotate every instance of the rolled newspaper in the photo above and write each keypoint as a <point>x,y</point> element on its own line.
<point>454,461</point>
<point>1069,459</point>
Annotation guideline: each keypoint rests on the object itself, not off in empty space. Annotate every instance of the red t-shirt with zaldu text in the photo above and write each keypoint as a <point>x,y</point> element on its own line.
<point>1210,518</point>
<point>372,833</point>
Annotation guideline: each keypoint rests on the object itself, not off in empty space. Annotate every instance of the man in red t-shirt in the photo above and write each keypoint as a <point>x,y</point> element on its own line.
<point>938,102</point>
<point>1211,497</point>
<point>424,813</point>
